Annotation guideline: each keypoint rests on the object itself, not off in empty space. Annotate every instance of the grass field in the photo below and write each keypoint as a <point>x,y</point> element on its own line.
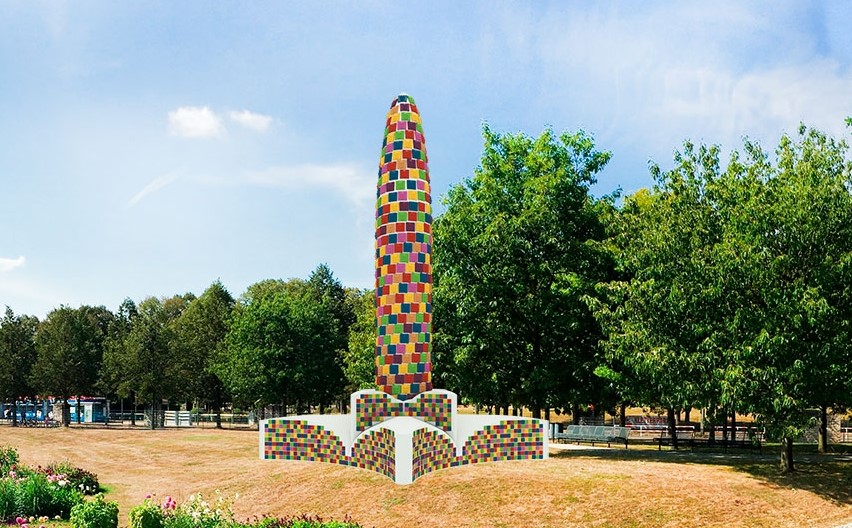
<point>608,487</point>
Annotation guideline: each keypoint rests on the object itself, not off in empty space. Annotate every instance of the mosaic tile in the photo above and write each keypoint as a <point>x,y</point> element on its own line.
<point>509,440</point>
<point>373,408</point>
<point>376,451</point>
<point>298,440</point>
<point>431,451</point>
<point>403,255</point>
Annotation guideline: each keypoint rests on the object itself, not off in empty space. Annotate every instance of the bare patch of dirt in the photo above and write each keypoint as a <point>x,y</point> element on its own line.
<point>583,488</point>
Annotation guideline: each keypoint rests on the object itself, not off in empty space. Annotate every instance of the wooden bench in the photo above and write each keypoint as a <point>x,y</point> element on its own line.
<point>593,434</point>
<point>685,436</point>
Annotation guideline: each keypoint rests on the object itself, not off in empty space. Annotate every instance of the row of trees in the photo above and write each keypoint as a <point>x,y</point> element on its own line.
<point>281,343</point>
<point>723,287</point>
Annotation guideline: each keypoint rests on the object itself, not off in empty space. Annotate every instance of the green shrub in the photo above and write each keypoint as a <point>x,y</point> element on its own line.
<point>33,495</point>
<point>146,515</point>
<point>85,481</point>
<point>36,496</point>
<point>95,514</point>
<point>303,521</point>
<point>63,500</point>
<point>7,498</point>
<point>8,458</point>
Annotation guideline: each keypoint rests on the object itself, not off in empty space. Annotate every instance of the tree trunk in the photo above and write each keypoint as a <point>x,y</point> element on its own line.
<point>725,429</point>
<point>686,413</point>
<point>322,408</point>
<point>79,418</point>
<point>66,412</point>
<point>536,413</point>
<point>218,404</point>
<point>622,415</point>
<point>547,414</point>
<point>710,415</point>
<point>670,415</point>
<point>575,414</point>
<point>133,409</point>
<point>823,429</point>
<point>15,413</point>
<point>153,411</point>
<point>734,426</point>
<point>787,455</point>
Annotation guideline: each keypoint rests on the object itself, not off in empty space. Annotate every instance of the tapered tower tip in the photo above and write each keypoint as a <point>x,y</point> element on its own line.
<point>403,256</point>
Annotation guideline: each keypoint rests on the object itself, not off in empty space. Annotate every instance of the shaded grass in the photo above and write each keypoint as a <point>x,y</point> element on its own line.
<point>828,475</point>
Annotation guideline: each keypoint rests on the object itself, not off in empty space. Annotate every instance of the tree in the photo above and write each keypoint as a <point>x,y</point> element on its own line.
<point>328,292</point>
<point>801,357</point>
<point>285,345</point>
<point>116,376</point>
<point>359,360</point>
<point>150,358</point>
<point>17,355</point>
<point>200,330</point>
<point>738,284</point>
<point>70,346</point>
<point>659,315</point>
<point>515,251</point>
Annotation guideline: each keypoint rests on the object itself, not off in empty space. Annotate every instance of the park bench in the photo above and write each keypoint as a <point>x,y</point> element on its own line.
<point>744,438</point>
<point>685,437</point>
<point>593,434</point>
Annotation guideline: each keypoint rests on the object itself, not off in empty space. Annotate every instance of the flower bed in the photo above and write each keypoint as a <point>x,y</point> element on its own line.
<point>28,493</point>
<point>57,492</point>
<point>197,512</point>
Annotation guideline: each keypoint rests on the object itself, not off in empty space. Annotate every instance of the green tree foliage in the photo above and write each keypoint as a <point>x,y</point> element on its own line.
<point>17,355</point>
<point>200,337</point>
<point>736,284</point>
<point>800,357</point>
<point>145,359</point>
<point>516,250</point>
<point>285,343</point>
<point>70,346</point>
<point>359,361</point>
<point>115,371</point>
<point>659,315</point>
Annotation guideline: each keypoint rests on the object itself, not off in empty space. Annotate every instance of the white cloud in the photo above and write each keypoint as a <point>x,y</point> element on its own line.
<point>252,120</point>
<point>195,122</point>
<point>656,76</point>
<point>354,184</point>
<point>152,187</point>
<point>9,264</point>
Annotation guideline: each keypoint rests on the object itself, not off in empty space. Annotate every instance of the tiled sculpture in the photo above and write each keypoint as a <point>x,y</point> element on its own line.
<point>406,429</point>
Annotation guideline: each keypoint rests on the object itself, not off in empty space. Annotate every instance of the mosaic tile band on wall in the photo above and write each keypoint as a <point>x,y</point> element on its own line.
<point>435,409</point>
<point>375,450</point>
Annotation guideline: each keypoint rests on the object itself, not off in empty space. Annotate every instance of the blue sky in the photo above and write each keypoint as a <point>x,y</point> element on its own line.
<point>150,148</point>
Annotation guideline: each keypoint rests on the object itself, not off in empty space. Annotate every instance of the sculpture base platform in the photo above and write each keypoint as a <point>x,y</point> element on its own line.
<point>403,440</point>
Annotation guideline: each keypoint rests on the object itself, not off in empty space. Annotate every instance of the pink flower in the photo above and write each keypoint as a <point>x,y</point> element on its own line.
<point>20,520</point>
<point>169,504</point>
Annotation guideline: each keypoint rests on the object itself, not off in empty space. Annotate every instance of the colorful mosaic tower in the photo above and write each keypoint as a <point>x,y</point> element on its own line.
<point>406,429</point>
<point>403,256</point>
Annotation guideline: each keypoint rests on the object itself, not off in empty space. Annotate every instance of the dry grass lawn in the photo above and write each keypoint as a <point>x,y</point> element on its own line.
<point>634,488</point>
